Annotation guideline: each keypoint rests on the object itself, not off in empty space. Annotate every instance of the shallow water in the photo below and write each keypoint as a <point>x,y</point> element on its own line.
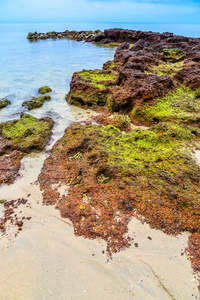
<point>25,65</point>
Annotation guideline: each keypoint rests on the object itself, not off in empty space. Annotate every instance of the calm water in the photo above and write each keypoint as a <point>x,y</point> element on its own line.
<point>25,66</point>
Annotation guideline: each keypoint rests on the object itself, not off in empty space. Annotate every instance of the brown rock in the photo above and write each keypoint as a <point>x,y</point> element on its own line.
<point>190,77</point>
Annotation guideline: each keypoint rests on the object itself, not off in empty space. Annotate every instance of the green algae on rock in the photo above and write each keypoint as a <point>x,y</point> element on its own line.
<point>19,137</point>
<point>173,55</point>
<point>180,105</point>
<point>120,121</point>
<point>90,87</point>
<point>27,133</point>
<point>3,201</point>
<point>167,68</point>
<point>36,102</point>
<point>4,103</point>
<point>44,90</point>
<point>150,171</point>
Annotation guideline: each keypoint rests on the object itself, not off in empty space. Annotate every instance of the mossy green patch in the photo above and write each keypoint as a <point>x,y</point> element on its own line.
<point>4,103</point>
<point>44,90</point>
<point>180,106</point>
<point>173,55</point>
<point>121,121</point>
<point>27,133</point>
<point>2,201</point>
<point>36,102</point>
<point>143,151</point>
<point>98,78</point>
<point>110,65</point>
<point>167,68</point>
<point>108,45</point>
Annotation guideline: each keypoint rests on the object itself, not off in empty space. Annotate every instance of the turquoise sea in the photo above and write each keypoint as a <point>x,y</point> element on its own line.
<point>25,65</point>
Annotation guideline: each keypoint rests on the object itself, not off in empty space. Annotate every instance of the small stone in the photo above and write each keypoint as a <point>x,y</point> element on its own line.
<point>20,223</point>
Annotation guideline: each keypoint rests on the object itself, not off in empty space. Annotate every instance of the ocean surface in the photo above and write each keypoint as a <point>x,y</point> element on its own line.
<point>25,66</point>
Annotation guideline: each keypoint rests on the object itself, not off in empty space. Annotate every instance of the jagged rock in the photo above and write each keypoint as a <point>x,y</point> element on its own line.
<point>74,35</point>
<point>91,87</point>
<point>123,46</point>
<point>4,103</point>
<point>19,137</point>
<point>190,77</point>
<point>36,102</point>
<point>26,134</point>
<point>44,90</point>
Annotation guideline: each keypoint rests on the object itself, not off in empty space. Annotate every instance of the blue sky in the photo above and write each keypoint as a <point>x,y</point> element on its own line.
<point>168,11</point>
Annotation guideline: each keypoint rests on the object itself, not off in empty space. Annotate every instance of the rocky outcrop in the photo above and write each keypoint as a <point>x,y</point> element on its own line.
<point>19,137</point>
<point>141,39</point>
<point>36,102</point>
<point>108,174</point>
<point>73,35</point>
<point>110,169</point>
<point>91,87</point>
<point>4,103</point>
<point>148,70</point>
<point>189,77</point>
<point>131,85</point>
<point>44,90</point>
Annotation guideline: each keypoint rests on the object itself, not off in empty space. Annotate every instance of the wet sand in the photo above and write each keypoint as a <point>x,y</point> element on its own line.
<point>46,261</point>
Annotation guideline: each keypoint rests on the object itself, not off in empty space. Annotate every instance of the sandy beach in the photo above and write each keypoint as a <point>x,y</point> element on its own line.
<point>46,261</point>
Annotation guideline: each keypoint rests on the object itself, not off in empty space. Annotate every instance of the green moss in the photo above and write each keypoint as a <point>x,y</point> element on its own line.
<point>2,201</point>
<point>36,102</point>
<point>177,106</point>
<point>109,45</point>
<point>121,121</point>
<point>27,133</point>
<point>98,78</point>
<point>87,98</point>
<point>109,65</point>
<point>167,68</point>
<point>4,103</point>
<point>173,55</point>
<point>44,90</point>
<point>103,179</point>
<point>159,155</point>
<point>91,87</point>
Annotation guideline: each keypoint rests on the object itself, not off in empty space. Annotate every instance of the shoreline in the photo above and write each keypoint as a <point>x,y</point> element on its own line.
<point>55,263</point>
<point>170,276</point>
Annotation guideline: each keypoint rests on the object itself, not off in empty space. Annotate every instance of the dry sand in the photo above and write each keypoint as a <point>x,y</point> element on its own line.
<point>46,261</point>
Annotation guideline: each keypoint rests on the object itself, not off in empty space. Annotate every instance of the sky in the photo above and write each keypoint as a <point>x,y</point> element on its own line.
<point>165,11</point>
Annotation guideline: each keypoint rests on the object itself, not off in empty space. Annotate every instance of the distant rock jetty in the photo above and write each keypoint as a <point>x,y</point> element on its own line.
<point>140,39</point>
<point>73,35</point>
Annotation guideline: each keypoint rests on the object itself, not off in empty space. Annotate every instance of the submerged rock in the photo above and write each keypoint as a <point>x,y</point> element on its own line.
<point>4,103</point>
<point>44,90</point>
<point>36,102</point>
